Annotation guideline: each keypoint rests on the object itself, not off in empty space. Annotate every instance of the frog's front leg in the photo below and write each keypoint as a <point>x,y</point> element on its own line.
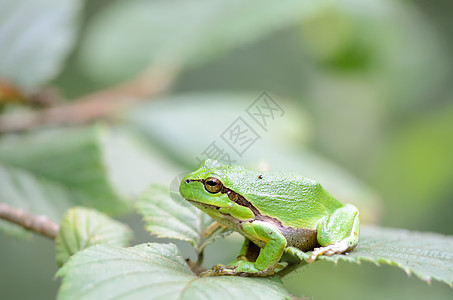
<point>338,232</point>
<point>267,259</point>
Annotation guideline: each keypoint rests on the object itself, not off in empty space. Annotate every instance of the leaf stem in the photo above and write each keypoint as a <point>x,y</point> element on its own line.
<point>35,223</point>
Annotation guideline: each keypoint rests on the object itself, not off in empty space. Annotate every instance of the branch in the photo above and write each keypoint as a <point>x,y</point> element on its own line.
<point>37,224</point>
<point>99,105</point>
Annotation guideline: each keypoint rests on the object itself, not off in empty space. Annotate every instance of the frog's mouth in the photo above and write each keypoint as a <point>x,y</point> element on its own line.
<point>203,205</point>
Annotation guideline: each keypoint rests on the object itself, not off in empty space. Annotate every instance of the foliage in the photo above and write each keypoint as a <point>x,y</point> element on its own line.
<point>26,60</point>
<point>165,217</point>
<point>427,255</point>
<point>364,92</point>
<point>82,228</point>
<point>152,271</point>
<point>48,171</point>
<point>159,269</point>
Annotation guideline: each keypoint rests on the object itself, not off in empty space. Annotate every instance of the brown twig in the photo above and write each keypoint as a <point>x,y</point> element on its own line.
<point>35,223</point>
<point>99,105</point>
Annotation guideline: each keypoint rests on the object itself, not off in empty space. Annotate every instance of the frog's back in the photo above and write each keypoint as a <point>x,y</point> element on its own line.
<point>297,201</point>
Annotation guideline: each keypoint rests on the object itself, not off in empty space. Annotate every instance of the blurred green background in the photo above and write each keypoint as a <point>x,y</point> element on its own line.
<point>365,87</point>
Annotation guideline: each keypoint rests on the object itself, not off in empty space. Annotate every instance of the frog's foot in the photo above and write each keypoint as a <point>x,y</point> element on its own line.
<point>329,250</point>
<point>237,268</point>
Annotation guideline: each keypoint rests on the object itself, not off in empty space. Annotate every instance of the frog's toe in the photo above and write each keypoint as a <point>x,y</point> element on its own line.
<point>315,253</point>
<point>208,273</point>
<point>216,270</point>
<point>329,250</point>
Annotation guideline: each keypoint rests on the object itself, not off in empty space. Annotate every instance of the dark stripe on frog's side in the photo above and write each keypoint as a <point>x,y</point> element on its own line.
<point>240,200</point>
<point>304,239</point>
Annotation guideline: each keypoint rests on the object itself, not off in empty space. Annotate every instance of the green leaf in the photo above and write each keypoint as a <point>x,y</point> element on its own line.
<point>47,172</point>
<point>83,227</point>
<point>36,36</point>
<point>426,255</point>
<point>178,32</point>
<point>133,164</point>
<point>152,271</point>
<point>170,216</point>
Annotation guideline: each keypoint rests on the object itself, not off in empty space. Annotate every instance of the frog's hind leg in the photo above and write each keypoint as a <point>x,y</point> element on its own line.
<point>338,232</point>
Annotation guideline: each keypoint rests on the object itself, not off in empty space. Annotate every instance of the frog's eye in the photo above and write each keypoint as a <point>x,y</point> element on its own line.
<point>213,185</point>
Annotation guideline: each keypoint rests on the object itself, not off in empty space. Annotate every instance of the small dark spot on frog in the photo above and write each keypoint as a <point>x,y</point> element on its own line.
<point>260,176</point>
<point>270,232</point>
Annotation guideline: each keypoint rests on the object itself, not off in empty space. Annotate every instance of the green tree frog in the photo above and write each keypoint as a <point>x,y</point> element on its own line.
<point>272,210</point>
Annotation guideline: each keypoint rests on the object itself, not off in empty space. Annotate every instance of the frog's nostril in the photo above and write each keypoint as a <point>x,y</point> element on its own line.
<point>187,180</point>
